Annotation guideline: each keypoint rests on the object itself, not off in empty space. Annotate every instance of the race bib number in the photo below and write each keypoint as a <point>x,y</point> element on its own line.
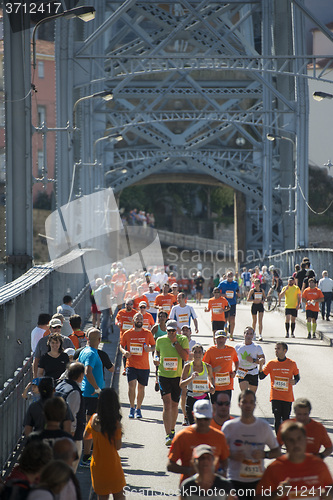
<point>170,364</point>
<point>183,319</point>
<point>229,294</point>
<point>281,384</point>
<point>216,310</point>
<point>136,349</point>
<point>241,373</point>
<point>258,295</point>
<point>222,379</point>
<point>151,304</point>
<point>250,469</point>
<point>166,308</point>
<point>200,386</point>
<point>127,326</point>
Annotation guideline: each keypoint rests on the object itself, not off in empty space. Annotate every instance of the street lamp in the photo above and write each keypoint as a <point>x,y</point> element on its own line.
<point>105,94</point>
<point>123,170</point>
<point>319,96</point>
<point>117,138</point>
<point>83,13</point>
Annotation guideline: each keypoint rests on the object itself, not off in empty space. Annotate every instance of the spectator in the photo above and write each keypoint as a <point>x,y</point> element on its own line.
<point>42,347</point>
<point>39,331</point>
<point>96,313</point>
<point>67,311</point>
<point>326,286</point>
<point>103,301</point>
<point>33,394</point>
<point>70,390</point>
<point>78,337</point>
<point>104,428</point>
<point>35,418</point>
<point>64,449</point>
<point>53,479</point>
<point>93,382</point>
<point>55,361</point>
<point>32,460</point>
<point>55,410</point>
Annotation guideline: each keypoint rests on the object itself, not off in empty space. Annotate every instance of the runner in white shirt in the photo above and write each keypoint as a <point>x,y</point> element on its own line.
<point>183,313</point>
<point>151,296</point>
<point>250,355</point>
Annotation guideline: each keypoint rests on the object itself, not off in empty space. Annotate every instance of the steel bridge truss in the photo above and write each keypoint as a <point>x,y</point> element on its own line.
<point>196,87</point>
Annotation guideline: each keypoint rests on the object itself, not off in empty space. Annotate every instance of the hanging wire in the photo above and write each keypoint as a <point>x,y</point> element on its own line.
<point>307,204</point>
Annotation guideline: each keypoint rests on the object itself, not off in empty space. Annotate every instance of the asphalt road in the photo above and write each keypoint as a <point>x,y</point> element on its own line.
<point>144,454</point>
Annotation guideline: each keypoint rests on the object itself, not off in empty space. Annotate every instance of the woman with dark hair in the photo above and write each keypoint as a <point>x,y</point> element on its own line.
<point>55,361</point>
<point>104,428</point>
<point>34,419</point>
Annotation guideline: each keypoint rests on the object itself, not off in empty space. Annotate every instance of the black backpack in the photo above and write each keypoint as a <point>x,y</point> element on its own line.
<point>15,489</point>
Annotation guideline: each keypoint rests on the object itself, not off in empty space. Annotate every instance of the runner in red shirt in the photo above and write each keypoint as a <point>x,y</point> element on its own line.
<point>312,296</point>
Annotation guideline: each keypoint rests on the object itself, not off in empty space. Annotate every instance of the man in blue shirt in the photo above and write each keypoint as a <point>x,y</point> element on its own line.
<point>93,382</point>
<point>230,290</point>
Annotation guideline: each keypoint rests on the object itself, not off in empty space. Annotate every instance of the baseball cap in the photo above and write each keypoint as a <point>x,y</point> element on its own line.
<point>220,333</point>
<point>174,285</point>
<point>171,325</point>
<point>147,274</point>
<point>291,278</point>
<point>202,449</point>
<point>35,381</point>
<point>55,322</point>
<point>203,409</point>
<point>70,351</point>
<point>143,303</point>
<point>129,301</point>
<point>185,326</point>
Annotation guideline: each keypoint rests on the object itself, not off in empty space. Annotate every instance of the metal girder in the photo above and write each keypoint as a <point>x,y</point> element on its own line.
<point>192,77</point>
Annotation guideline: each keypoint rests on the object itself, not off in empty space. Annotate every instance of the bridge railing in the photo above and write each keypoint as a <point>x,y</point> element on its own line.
<point>41,289</point>
<point>321,259</point>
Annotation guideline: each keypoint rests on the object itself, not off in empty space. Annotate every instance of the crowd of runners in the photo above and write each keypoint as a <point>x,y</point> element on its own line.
<point>73,420</point>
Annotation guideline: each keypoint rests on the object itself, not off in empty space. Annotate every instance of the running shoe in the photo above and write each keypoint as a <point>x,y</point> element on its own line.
<point>309,335</point>
<point>293,335</point>
<point>138,413</point>
<point>186,422</point>
<point>85,463</point>
<point>172,433</point>
<point>314,336</point>
<point>168,440</point>
<point>131,413</point>
<point>287,335</point>
<point>260,338</point>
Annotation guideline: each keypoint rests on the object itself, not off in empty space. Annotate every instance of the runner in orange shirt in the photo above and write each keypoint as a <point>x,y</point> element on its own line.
<point>139,297</point>
<point>136,344</point>
<point>125,316</point>
<point>295,474</point>
<point>172,279</point>
<point>316,434</point>
<point>190,437</point>
<point>224,362</point>
<point>148,320</point>
<point>217,305</point>
<point>312,296</point>
<point>165,300</point>
<point>284,374</point>
<point>118,283</point>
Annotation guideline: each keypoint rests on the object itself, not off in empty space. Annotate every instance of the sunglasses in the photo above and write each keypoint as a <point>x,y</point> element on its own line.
<point>143,307</point>
<point>223,403</point>
<point>56,327</point>
<point>171,329</point>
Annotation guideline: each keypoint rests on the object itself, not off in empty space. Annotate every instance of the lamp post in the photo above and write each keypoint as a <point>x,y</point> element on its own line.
<point>105,94</point>
<point>319,96</point>
<point>83,13</point>
<point>117,138</point>
<point>290,189</point>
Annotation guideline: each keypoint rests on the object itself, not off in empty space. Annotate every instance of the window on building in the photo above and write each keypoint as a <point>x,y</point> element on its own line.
<point>41,69</point>
<point>40,162</point>
<point>41,110</point>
